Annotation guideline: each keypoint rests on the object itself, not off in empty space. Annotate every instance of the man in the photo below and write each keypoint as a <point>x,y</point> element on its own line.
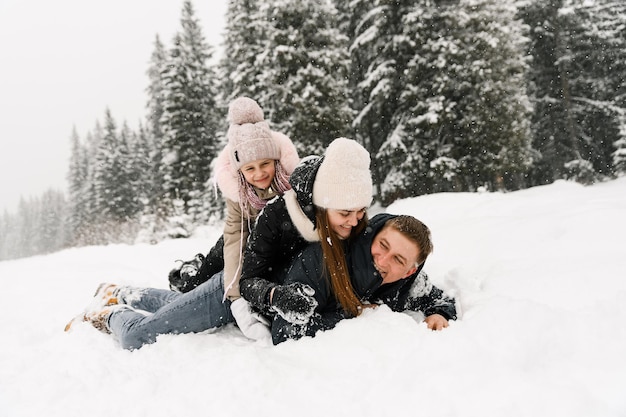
<point>385,264</point>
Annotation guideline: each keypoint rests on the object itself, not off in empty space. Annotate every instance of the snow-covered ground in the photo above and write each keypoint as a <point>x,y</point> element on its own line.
<point>540,280</point>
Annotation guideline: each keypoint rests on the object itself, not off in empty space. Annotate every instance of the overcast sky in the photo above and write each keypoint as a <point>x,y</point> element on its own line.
<point>62,63</point>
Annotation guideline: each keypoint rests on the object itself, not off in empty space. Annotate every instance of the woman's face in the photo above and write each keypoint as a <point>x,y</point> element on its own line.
<point>259,173</point>
<point>342,221</point>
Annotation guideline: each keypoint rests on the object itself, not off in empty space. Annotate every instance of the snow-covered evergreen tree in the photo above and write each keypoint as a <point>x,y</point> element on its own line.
<point>379,54</point>
<point>130,188</point>
<point>90,190</point>
<point>53,228</point>
<point>619,156</point>
<point>245,42</point>
<point>189,119</point>
<point>579,60</point>
<point>77,177</point>
<point>156,89</point>
<point>6,236</point>
<point>460,112</point>
<point>303,83</point>
<point>552,128</point>
<point>114,195</point>
<point>27,222</point>
<point>142,150</point>
<point>39,226</point>
<point>597,45</point>
<point>152,134</point>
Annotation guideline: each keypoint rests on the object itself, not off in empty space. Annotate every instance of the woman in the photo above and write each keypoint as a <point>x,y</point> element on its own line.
<point>385,264</point>
<point>327,203</point>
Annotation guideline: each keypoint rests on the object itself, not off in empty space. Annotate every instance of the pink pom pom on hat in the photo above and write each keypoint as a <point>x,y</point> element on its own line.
<point>249,135</point>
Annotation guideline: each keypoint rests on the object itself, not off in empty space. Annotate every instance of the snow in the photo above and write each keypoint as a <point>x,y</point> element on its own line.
<point>539,279</point>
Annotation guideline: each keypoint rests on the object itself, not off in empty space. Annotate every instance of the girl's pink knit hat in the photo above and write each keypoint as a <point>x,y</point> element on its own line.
<point>249,135</point>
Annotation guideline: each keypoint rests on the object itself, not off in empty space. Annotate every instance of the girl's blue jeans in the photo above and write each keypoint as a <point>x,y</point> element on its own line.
<point>168,312</point>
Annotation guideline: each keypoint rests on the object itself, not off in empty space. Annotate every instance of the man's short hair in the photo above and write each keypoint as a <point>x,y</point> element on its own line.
<point>415,231</point>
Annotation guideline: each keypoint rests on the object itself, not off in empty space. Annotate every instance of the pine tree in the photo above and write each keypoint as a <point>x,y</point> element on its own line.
<point>53,229</point>
<point>551,124</point>
<point>142,150</point>
<point>460,116</point>
<point>619,156</point>
<point>156,89</point>
<point>304,79</point>
<point>245,42</point>
<point>28,221</point>
<point>114,196</point>
<point>379,55</point>
<point>578,51</point>
<point>597,47</point>
<point>93,205</point>
<point>189,119</point>
<point>152,136</point>
<point>130,184</point>
<point>103,174</point>
<point>40,226</point>
<point>6,235</point>
<point>77,182</point>
<point>486,91</point>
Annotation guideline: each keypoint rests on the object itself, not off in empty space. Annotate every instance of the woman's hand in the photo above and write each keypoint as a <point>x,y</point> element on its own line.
<point>294,302</point>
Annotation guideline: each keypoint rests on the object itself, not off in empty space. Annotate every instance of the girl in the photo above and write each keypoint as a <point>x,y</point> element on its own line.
<point>251,170</point>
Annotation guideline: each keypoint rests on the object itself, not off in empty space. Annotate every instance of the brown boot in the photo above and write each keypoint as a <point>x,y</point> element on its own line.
<point>99,319</point>
<point>107,294</point>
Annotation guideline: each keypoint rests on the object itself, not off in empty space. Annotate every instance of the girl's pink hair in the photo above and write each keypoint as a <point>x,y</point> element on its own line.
<point>249,199</point>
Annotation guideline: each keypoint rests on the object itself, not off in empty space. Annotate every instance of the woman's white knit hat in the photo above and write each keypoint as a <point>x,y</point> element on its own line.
<point>344,180</point>
<point>249,135</point>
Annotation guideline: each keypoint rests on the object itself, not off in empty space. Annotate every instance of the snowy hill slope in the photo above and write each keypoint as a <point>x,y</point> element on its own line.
<point>539,276</point>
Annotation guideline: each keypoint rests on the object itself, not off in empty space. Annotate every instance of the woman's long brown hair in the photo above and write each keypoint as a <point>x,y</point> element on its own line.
<point>335,266</point>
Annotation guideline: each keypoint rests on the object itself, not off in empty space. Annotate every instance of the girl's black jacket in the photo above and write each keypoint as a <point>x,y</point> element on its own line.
<point>414,293</point>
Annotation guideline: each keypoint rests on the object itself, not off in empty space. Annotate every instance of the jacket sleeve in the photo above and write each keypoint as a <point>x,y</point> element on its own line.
<point>236,233</point>
<point>258,259</point>
<point>212,263</point>
<point>425,297</point>
<point>307,268</point>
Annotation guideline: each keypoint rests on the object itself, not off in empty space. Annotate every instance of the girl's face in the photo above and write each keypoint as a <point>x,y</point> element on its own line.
<point>259,173</point>
<point>342,221</point>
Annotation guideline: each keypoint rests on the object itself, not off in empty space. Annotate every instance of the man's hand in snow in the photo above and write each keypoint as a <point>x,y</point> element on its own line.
<point>436,322</point>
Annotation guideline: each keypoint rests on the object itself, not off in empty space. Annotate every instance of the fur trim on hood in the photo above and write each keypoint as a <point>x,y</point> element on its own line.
<point>303,223</point>
<point>226,175</point>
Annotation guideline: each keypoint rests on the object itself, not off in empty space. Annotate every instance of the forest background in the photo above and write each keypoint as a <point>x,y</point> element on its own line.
<point>446,95</point>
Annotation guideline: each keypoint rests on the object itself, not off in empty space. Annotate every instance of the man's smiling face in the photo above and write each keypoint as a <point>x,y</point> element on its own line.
<point>395,256</point>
